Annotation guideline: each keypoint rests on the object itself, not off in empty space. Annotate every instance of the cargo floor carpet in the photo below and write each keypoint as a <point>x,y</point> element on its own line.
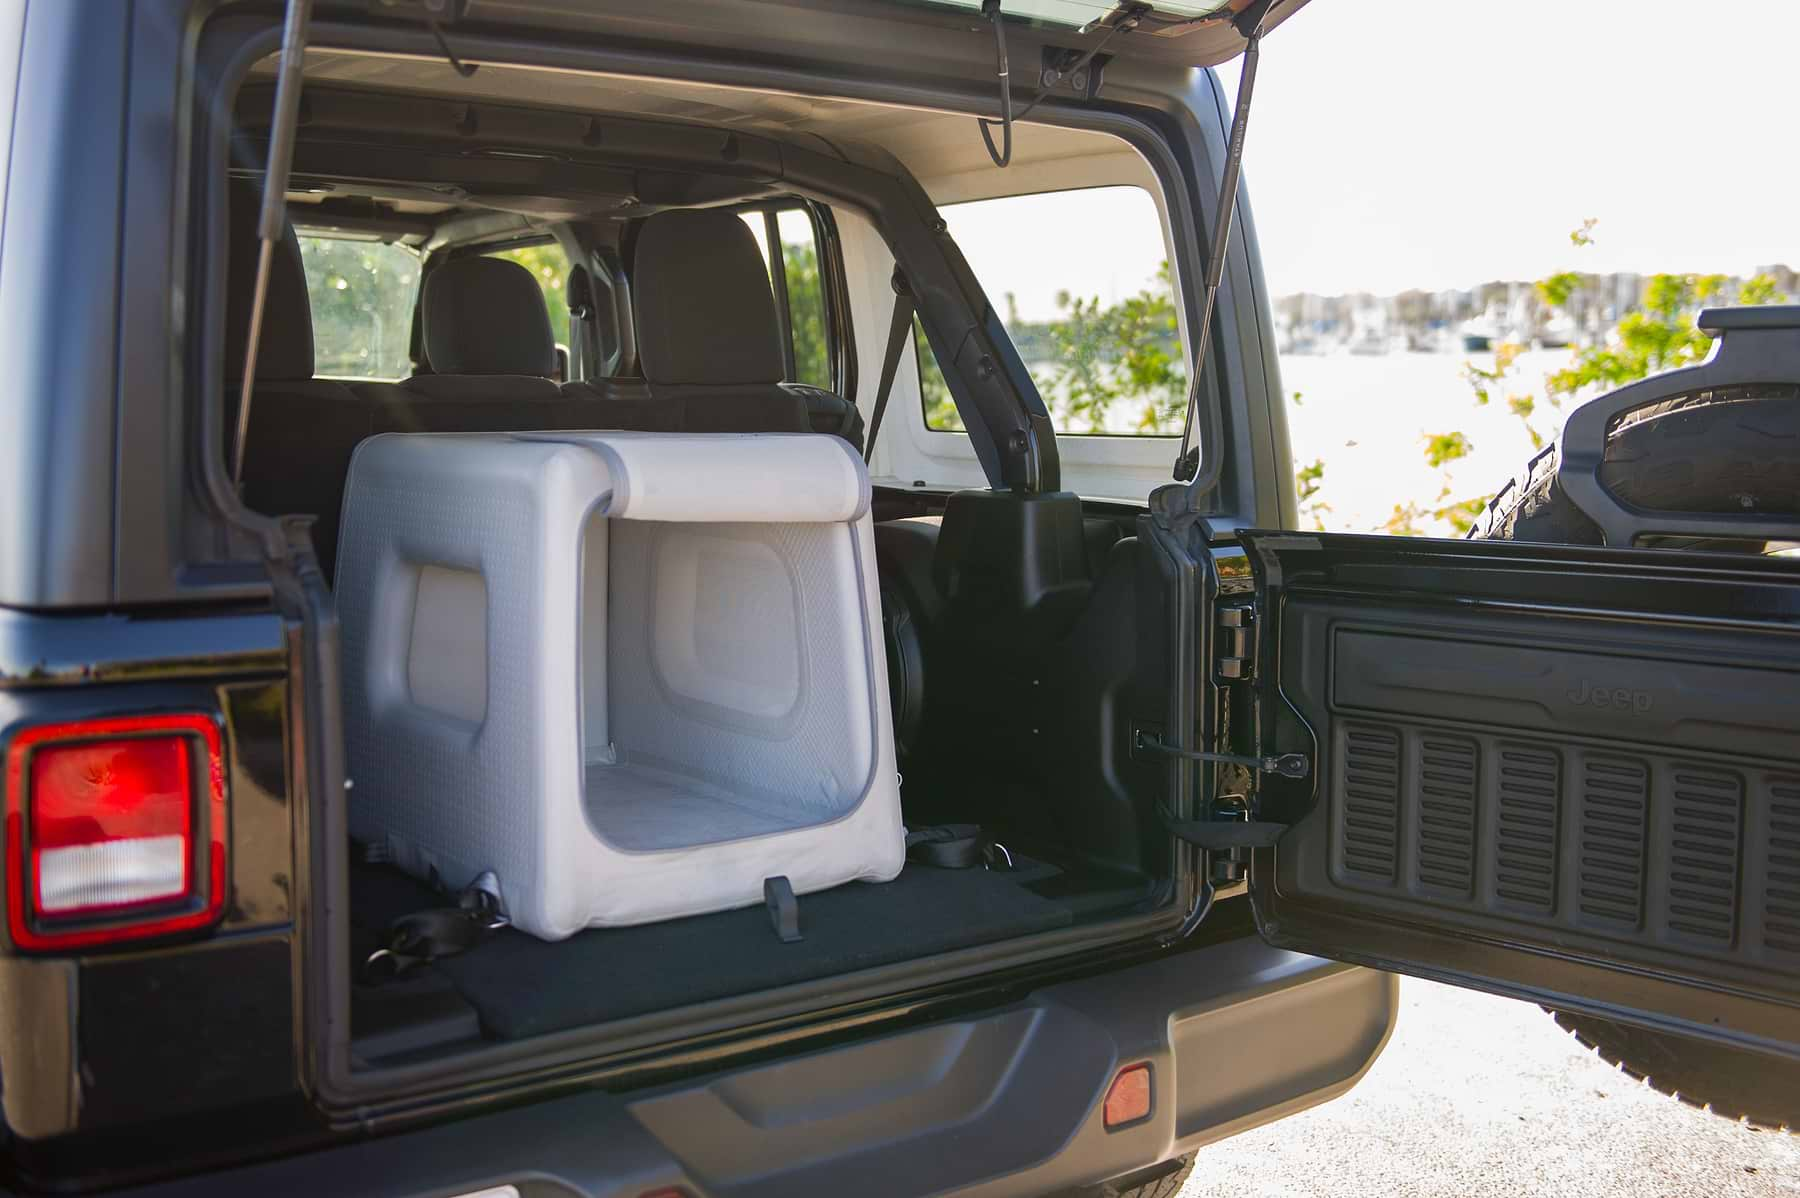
<point>521,986</point>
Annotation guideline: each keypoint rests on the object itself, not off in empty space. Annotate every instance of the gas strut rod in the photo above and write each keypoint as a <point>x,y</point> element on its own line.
<point>273,221</point>
<point>1187,455</point>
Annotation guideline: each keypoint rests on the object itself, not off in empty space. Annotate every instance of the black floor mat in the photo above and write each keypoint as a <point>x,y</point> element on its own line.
<point>522,986</point>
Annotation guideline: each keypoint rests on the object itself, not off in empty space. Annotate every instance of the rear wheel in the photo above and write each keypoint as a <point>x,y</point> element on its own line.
<point>1732,1082</point>
<point>1159,1181</point>
<point>1737,453</point>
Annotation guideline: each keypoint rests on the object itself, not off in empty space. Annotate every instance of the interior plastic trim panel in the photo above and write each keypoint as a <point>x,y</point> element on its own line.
<point>1567,774</point>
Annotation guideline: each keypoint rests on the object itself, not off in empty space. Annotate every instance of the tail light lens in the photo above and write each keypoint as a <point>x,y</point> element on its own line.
<point>1128,1098</point>
<point>115,830</point>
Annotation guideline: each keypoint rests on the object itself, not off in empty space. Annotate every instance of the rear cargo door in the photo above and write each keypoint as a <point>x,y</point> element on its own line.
<point>1570,775</point>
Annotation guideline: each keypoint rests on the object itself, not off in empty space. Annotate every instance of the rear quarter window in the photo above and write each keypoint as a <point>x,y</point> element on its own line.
<point>362,295</point>
<point>1098,331</point>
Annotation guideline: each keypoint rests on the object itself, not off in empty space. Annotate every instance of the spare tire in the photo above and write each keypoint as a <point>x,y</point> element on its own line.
<point>1735,450</point>
<point>1730,452</point>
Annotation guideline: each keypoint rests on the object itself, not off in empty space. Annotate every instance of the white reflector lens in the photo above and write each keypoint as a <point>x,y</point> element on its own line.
<point>112,873</point>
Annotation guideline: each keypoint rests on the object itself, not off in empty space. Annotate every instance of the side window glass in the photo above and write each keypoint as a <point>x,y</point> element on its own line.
<point>362,295</point>
<point>550,267</point>
<point>1098,331</point>
<point>940,410</point>
<point>804,323</point>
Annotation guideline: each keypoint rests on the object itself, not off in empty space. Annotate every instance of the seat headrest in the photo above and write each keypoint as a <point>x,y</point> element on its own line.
<point>284,350</point>
<point>704,310</point>
<point>486,316</point>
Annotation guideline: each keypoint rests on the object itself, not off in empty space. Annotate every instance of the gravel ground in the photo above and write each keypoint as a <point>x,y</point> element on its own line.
<point>1477,1095</point>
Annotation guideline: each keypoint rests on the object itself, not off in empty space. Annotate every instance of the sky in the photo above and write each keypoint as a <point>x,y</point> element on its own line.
<point>1441,143</point>
<point>1436,144</point>
<point>1102,243</point>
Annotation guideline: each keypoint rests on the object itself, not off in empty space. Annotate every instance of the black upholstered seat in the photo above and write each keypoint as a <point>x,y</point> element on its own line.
<point>493,360</point>
<point>707,327</point>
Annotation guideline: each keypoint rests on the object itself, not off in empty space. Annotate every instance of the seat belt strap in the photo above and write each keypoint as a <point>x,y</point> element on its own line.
<point>899,329</point>
<point>584,321</point>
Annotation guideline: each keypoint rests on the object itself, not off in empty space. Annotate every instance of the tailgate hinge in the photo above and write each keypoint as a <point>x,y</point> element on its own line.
<point>1235,657</point>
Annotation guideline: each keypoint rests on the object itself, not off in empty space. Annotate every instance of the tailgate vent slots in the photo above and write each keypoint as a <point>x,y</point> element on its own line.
<point>1445,827</point>
<point>1615,800</point>
<point>1369,805</point>
<point>1706,828</point>
<point>1781,892</point>
<point>1530,806</point>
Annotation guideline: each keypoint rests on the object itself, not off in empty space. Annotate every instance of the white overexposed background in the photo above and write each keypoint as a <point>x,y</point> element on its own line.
<point>1439,143</point>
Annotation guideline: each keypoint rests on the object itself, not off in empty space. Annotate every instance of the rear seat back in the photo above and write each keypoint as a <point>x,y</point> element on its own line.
<point>633,404</point>
<point>486,332</point>
<point>493,360</point>
<point>302,430</point>
<point>487,336</point>
<point>707,329</point>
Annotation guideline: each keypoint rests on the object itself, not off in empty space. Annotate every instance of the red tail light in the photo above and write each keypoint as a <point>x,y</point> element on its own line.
<point>115,830</point>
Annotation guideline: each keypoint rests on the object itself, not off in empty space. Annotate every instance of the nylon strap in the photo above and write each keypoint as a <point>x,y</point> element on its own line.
<point>425,936</point>
<point>946,846</point>
<point>1227,834</point>
<point>899,328</point>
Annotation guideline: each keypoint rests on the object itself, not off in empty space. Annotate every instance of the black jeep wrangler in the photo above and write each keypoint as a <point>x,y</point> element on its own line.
<point>1141,793</point>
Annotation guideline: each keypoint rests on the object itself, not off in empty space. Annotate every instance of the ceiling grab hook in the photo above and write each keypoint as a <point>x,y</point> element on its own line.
<point>991,10</point>
<point>1130,16</point>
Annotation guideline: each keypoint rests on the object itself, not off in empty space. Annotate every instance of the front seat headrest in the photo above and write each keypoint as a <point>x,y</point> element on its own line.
<point>704,310</point>
<point>486,316</point>
<point>285,348</point>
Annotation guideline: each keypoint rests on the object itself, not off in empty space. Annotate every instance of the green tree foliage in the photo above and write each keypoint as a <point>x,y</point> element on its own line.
<point>1444,448</point>
<point>362,295</point>
<point>1307,481</point>
<point>806,304</point>
<point>1101,368</point>
<point>1660,334</point>
<point>1119,357</point>
<point>940,409</point>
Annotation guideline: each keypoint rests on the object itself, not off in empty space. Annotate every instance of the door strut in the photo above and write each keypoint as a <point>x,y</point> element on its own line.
<point>273,220</point>
<point>1187,460</point>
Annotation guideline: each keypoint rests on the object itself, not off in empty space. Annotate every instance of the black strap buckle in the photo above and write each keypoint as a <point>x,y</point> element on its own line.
<point>955,846</point>
<point>426,936</point>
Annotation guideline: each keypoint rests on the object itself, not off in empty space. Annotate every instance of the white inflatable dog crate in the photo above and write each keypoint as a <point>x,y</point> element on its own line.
<point>633,674</point>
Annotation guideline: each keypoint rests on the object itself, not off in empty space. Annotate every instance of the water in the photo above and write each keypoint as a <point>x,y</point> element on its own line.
<point>1368,418</point>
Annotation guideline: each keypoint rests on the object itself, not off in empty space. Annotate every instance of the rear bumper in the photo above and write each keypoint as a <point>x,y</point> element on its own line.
<point>1007,1102</point>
